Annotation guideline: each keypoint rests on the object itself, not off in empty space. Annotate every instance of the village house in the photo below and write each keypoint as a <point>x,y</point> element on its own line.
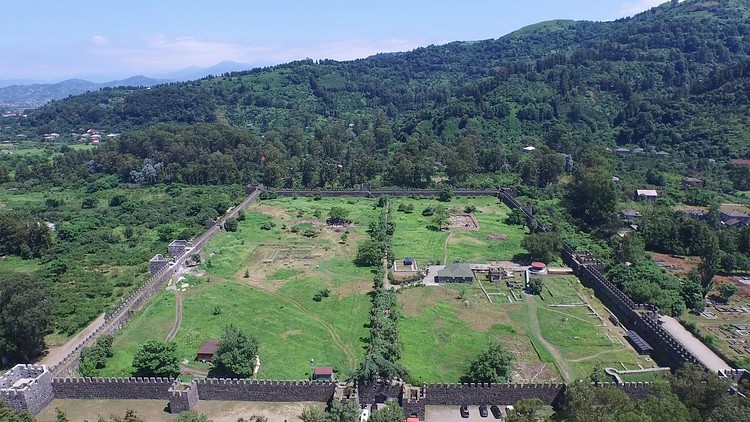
<point>695,213</point>
<point>207,351</point>
<point>622,151</point>
<point>692,182</point>
<point>637,151</point>
<point>323,373</point>
<point>455,273</point>
<point>648,195</point>
<point>629,216</point>
<point>734,218</point>
<point>741,162</point>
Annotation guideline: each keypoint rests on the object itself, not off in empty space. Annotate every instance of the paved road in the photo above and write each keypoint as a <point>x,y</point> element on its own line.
<point>695,346</point>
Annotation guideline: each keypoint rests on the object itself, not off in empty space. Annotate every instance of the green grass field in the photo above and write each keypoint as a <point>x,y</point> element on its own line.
<point>264,281</point>
<point>253,282</point>
<point>443,328</point>
<point>413,238</point>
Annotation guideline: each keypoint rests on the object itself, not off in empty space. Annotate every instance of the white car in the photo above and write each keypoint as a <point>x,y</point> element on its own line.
<point>365,415</point>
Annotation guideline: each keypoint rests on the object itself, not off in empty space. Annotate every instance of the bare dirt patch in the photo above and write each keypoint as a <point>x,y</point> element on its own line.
<point>463,221</point>
<point>353,288</point>
<point>273,211</point>
<point>498,236</point>
<point>681,266</point>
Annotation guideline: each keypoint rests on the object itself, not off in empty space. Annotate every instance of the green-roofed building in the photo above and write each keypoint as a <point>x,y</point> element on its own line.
<point>455,273</point>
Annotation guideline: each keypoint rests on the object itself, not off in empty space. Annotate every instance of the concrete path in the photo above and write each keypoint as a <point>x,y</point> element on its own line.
<point>705,355</point>
<point>55,355</point>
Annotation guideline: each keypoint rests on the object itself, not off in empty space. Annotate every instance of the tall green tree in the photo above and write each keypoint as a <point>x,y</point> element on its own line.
<point>25,315</point>
<point>492,365</point>
<point>236,352</point>
<point>156,358</point>
<point>392,412</point>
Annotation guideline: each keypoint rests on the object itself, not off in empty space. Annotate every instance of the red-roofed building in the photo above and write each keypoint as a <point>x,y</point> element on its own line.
<point>323,373</point>
<point>207,350</point>
<point>741,162</point>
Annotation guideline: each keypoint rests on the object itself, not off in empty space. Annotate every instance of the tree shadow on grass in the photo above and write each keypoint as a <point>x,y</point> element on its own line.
<point>522,259</point>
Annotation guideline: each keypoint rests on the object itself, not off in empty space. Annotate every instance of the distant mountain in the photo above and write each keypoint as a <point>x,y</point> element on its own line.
<point>9,82</point>
<point>194,72</point>
<point>35,95</point>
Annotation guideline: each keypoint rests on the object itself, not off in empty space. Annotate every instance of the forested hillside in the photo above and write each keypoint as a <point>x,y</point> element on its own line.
<point>674,80</point>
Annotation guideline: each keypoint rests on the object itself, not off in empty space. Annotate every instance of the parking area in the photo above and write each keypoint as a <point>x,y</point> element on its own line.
<point>452,414</point>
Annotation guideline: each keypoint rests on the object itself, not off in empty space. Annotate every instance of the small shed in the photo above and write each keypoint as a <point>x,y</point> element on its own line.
<point>408,260</point>
<point>323,373</point>
<point>455,273</point>
<point>640,345</point>
<point>207,350</point>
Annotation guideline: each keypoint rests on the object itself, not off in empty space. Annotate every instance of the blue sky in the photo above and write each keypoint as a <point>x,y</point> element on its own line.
<point>105,39</point>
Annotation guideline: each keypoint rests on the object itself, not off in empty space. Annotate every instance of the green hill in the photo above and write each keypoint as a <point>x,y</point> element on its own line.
<point>674,78</point>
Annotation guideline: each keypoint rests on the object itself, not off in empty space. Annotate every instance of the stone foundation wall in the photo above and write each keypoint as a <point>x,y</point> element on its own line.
<point>273,391</point>
<point>112,388</point>
<point>35,395</point>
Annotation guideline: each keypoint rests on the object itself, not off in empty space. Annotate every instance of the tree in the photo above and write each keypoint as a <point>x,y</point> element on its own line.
<point>60,416</point>
<point>192,416</point>
<point>312,414</point>
<point>727,290</point>
<point>598,375</point>
<point>544,247</point>
<point>369,254</point>
<point>230,225</point>
<point>88,202</point>
<point>343,412</point>
<point>236,352</point>
<point>516,218</point>
<point>25,314</point>
<point>491,365</point>
<point>440,217</point>
<point>156,358</point>
<point>536,286</point>
<point>338,215</point>
<point>393,412</point>
<point>445,195</point>
<point>630,248</point>
<point>701,391</point>
<point>8,414</point>
<point>528,410</point>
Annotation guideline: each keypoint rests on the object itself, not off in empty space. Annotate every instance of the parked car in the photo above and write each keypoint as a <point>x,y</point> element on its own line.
<point>496,413</point>
<point>464,411</point>
<point>365,415</point>
<point>373,408</point>
<point>483,410</point>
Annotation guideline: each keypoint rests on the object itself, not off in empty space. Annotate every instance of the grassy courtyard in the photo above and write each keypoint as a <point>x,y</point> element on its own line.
<point>443,327</point>
<point>263,278</point>
<point>413,238</point>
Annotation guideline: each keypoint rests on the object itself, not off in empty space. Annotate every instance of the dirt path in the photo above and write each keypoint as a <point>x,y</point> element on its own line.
<point>177,318</point>
<point>55,355</point>
<point>351,356</point>
<point>536,330</point>
<point>186,370</point>
<point>445,249</point>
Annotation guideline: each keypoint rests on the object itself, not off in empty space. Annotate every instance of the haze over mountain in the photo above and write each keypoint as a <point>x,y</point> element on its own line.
<point>31,94</point>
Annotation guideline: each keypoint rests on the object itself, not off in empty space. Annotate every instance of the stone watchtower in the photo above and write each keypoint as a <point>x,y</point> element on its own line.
<point>27,387</point>
<point>179,247</point>
<point>157,263</point>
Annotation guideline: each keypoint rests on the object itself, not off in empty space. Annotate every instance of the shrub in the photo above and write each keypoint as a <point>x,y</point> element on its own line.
<point>470,209</point>
<point>429,211</point>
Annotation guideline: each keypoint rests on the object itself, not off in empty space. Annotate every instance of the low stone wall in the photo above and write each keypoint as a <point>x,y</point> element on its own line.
<point>273,391</point>
<point>112,388</point>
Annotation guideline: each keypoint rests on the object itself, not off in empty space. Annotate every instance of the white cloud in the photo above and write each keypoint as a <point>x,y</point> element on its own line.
<point>163,53</point>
